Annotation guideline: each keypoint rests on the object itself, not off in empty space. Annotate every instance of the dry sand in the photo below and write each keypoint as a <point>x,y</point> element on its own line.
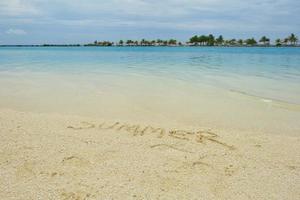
<point>52,156</point>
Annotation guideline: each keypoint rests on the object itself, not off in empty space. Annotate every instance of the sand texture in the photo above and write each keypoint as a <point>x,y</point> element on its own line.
<point>52,156</point>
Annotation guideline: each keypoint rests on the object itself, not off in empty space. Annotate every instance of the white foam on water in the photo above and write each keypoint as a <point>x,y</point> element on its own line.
<point>267,100</point>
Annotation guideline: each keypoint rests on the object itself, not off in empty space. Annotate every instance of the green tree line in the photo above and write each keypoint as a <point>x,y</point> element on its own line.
<point>210,40</point>
<point>204,40</point>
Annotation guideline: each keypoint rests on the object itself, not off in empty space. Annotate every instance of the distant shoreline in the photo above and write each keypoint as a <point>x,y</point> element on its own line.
<point>195,41</point>
<point>193,46</point>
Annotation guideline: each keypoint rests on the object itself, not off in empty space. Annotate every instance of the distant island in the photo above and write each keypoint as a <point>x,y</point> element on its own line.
<point>197,40</point>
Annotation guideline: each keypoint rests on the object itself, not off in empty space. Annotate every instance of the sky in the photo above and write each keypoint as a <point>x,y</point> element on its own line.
<point>83,21</point>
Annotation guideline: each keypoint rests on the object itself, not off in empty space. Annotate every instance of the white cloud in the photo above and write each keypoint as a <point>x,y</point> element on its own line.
<point>233,17</point>
<point>172,10</point>
<point>17,7</point>
<point>164,8</point>
<point>12,31</point>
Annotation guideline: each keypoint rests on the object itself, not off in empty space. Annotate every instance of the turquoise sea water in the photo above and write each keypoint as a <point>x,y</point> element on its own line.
<point>271,73</point>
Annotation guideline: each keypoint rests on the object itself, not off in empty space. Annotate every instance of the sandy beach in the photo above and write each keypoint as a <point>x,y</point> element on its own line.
<point>55,156</point>
<point>149,100</point>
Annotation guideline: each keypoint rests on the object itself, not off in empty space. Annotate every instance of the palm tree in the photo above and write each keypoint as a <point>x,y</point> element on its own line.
<point>121,42</point>
<point>194,40</point>
<point>240,42</point>
<point>142,42</point>
<point>172,42</point>
<point>220,40</point>
<point>278,42</point>
<point>265,40</point>
<point>129,42</point>
<point>159,42</point>
<point>210,40</point>
<point>203,39</point>
<point>251,42</point>
<point>293,39</point>
<point>268,41</point>
<point>232,42</point>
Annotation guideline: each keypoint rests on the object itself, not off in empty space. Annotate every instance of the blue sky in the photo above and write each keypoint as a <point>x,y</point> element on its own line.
<point>81,21</point>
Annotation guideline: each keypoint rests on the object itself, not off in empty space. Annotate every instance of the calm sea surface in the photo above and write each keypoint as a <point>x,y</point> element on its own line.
<point>251,89</point>
<point>270,73</point>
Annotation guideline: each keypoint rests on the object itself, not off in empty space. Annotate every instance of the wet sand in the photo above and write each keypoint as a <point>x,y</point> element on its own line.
<point>57,156</point>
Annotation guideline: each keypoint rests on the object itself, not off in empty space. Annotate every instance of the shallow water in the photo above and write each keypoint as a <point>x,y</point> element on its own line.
<point>268,72</point>
<point>244,88</point>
